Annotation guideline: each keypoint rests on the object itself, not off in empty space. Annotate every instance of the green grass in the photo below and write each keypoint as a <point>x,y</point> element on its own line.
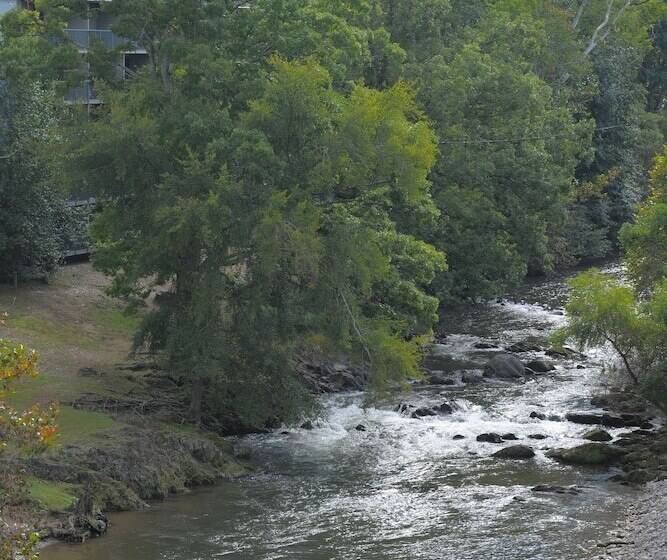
<point>54,496</point>
<point>50,332</point>
<point>81,425</point>
<point>116,321</point>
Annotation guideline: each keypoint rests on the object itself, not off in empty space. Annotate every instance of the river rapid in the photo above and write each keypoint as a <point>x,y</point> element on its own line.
<point>404,488</point>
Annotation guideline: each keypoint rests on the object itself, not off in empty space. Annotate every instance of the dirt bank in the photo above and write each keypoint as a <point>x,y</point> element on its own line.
<point>122,440</point>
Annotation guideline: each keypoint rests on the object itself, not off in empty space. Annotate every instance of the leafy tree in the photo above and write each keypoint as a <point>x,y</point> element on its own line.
<point>632,320</point>
<point>263,232</point>
<point>29,430</point>
<point>30,207</point>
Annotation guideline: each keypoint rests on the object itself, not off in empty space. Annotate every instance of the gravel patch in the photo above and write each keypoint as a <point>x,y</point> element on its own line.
<point>644,534</point>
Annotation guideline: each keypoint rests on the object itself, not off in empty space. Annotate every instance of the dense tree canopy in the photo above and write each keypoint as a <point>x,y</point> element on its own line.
<point>287,176</point>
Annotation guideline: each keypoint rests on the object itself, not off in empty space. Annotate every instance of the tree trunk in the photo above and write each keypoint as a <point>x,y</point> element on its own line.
<point>196,399</point>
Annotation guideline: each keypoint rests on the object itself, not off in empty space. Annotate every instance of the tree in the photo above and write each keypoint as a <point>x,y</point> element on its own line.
<point>29,430</point>
<point>265,231</point>
<point>30,207</point>
<point>631,318</point>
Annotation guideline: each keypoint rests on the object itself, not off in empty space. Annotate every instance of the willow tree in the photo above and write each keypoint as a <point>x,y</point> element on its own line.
<point>265,228</point>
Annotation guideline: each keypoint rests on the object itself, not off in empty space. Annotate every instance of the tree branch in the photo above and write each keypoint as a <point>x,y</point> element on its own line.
<point>594,39</point>
<point>580,12</point>
<point>624,357</point>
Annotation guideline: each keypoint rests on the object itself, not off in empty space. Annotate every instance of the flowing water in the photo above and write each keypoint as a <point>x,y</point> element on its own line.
<point>404,488</point>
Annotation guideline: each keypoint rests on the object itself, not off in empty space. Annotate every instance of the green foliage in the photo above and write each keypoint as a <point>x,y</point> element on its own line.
<point>645,241</point>
<point>54,496</point>
<point>30,208</point>
<point>603,310</point>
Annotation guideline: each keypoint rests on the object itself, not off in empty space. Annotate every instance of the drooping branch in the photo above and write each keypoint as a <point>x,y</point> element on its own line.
<point>624,357</point>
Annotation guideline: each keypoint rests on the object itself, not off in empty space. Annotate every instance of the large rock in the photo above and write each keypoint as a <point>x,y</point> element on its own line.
<point>472,377</point>
<point>504,366</point>
<point>521,347</point>
<point>608,420</point>
<point>490,438</point>
<point>437,377</point>
<point>598,434</point>
<point>517,452</point>
<point>594,454</point>
<point>423,411</point>
<point>540,366</point>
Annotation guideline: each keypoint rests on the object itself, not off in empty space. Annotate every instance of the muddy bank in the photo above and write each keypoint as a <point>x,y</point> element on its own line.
<point>122,472</point>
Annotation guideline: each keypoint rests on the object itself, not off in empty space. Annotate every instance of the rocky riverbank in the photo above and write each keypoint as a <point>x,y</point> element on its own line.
<point>642,536</point>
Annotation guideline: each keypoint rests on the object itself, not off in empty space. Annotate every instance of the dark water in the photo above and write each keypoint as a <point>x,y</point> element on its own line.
<point>404,489</point>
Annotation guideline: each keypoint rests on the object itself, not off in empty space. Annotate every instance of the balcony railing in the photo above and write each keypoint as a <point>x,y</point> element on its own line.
<point>85,94</point>
<point>85,38</point>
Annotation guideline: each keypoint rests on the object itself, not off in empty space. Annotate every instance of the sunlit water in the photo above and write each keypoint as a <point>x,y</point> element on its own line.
<point>403,489</point>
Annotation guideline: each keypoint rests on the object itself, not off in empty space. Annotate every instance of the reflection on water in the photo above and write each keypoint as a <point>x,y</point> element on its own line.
<point>403,489</point>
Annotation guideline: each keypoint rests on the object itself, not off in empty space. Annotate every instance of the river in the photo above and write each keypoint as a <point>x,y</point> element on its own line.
<point>404,488</point>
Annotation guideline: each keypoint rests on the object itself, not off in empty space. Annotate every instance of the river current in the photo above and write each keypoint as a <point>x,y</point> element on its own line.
<point>405,489</point>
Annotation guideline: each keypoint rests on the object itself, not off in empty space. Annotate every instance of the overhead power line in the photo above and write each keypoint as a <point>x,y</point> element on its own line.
<point>522,138</point>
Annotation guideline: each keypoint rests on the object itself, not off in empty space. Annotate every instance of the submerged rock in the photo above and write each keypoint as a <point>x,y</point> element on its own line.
<point>504,366</point>
<point>458,436</point>
<point>554,489</point>
<point>485,345</point>
<point>490,438</point>
<point>537,436</point>
<point>516,452</point>
<point>538,415</point>
<point>360,428</point>
<point>307,425</point>
<point>594,454</point>
<point>521,347</point>
<point>598,434</point>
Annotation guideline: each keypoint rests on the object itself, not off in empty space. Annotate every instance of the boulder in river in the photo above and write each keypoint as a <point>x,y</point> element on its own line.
<point>540,366</point>
<point>490,438</point>
<point>594,454</point>
<point>521,347</point>
<point>598,434</point>
<point>517,452</point>
<point>504,366</point>
<point>458,436</point>
<point>423,411</point>
<point>360,428</point>
<point>472,377</point>
<point>538,415</point>
<point>307,425</point>
<point>537,436</point>
<point>485,345</point>
<point>564,352</point>
<point>444,408</point>
<point>509,437</point>
<point>438,377</point>
<point>595,418</point>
